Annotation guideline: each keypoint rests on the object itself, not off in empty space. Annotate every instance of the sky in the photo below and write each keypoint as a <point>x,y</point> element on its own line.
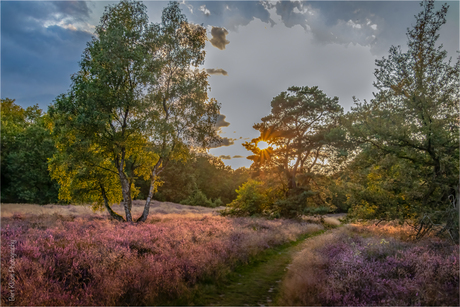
<point>255,51</point>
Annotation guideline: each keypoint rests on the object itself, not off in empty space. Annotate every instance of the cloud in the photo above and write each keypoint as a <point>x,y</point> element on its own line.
<point>218,39</point>
<point>228,14</point>
<point>227,141</point>
<point>205,10</point>
<point>225,157</point>
<point>218,71</point>
<point>376,24</point>
<point>237,157</point>
<point>223,141</point>
<point>221,122</point>
<point>41,45</point>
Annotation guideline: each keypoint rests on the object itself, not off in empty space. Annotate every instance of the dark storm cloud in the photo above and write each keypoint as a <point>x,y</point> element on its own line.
<point>377,24</point>
<point>290,18</point>
<point>225,157</point>
<point>218,71</point>
<point>222,141</point>
<point>40,49</point>
<point>228,14</point>
<point>221,121</point>
<point>218,39</point>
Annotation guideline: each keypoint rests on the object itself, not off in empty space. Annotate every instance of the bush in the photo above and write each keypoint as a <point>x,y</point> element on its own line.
<point>218,202</point>
<point>262,199</point>
<point>198,199</point>
<point>254,198</point>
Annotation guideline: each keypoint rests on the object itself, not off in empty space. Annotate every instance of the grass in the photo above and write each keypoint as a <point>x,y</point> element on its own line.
<point>156,207</point>
<point>254,283</point>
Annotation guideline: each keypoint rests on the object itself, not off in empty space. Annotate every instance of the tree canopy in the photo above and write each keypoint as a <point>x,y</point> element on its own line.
<point>25,147</point>
<point>138,101</point>
<point>301,130</point>
<point>409,133</point>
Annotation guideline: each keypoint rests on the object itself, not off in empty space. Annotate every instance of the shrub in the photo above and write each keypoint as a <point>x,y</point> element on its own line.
<point>253,198</point>
<point>264,199</point>
<point>198,199</point>
<point>218,202</point>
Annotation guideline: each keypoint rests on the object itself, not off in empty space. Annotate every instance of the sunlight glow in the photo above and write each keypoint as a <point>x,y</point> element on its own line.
<point>262,145</point>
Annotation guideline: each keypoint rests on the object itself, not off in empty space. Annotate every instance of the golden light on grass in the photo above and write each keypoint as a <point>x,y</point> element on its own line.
<point>262,145</point>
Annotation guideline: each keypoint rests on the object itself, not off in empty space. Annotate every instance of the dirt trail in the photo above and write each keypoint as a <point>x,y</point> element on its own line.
<point>257,284</point>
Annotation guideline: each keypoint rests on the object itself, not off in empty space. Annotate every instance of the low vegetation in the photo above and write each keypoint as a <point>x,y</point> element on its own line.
<point>89,260</point>
<point>373,265</point>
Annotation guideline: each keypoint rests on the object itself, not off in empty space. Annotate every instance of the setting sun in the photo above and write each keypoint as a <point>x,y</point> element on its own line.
<point>262,145</point>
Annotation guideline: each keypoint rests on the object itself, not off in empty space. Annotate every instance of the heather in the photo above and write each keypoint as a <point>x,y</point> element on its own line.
<point>355,266</point>
<point>89,260</point>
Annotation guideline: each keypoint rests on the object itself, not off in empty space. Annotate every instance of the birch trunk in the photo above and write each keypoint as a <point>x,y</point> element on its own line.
<point>126,191</point>
<point>112,213</point>
<point>155,173</point>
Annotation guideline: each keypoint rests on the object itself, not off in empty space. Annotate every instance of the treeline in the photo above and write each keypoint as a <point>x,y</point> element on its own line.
<point>201,180</point>
<point>137,115</point>
<point>197,179</point>
<point>26,147</point>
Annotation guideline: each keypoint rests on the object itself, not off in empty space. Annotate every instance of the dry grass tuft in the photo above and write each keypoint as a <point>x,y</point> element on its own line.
<point>392,229</point>
<point>156,207</point>
<point>332,221</point>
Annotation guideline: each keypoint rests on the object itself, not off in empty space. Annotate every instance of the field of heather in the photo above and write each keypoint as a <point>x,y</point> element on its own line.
<point>59,258</point>
<point>359,265</point>
<point>68,255</point>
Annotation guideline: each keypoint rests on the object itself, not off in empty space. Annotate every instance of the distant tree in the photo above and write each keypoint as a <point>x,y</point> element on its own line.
<point>304,145</point>
<point>26,146</point>
<point>409,133</point>
<point>301,131</point>
<point>137,102</point>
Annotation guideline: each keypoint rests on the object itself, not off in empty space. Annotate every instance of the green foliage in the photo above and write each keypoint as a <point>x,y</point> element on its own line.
<point>336,193</point>
<point>138,102</point>
<point>26,147</point>
<point>302,130</point>
<point>218,202</point>
<point>252,199</point>
<point>266,198</point>
<point>200,171</point>
<point>197,198</point>
<point>408,162</point>
<point>305,145</point>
